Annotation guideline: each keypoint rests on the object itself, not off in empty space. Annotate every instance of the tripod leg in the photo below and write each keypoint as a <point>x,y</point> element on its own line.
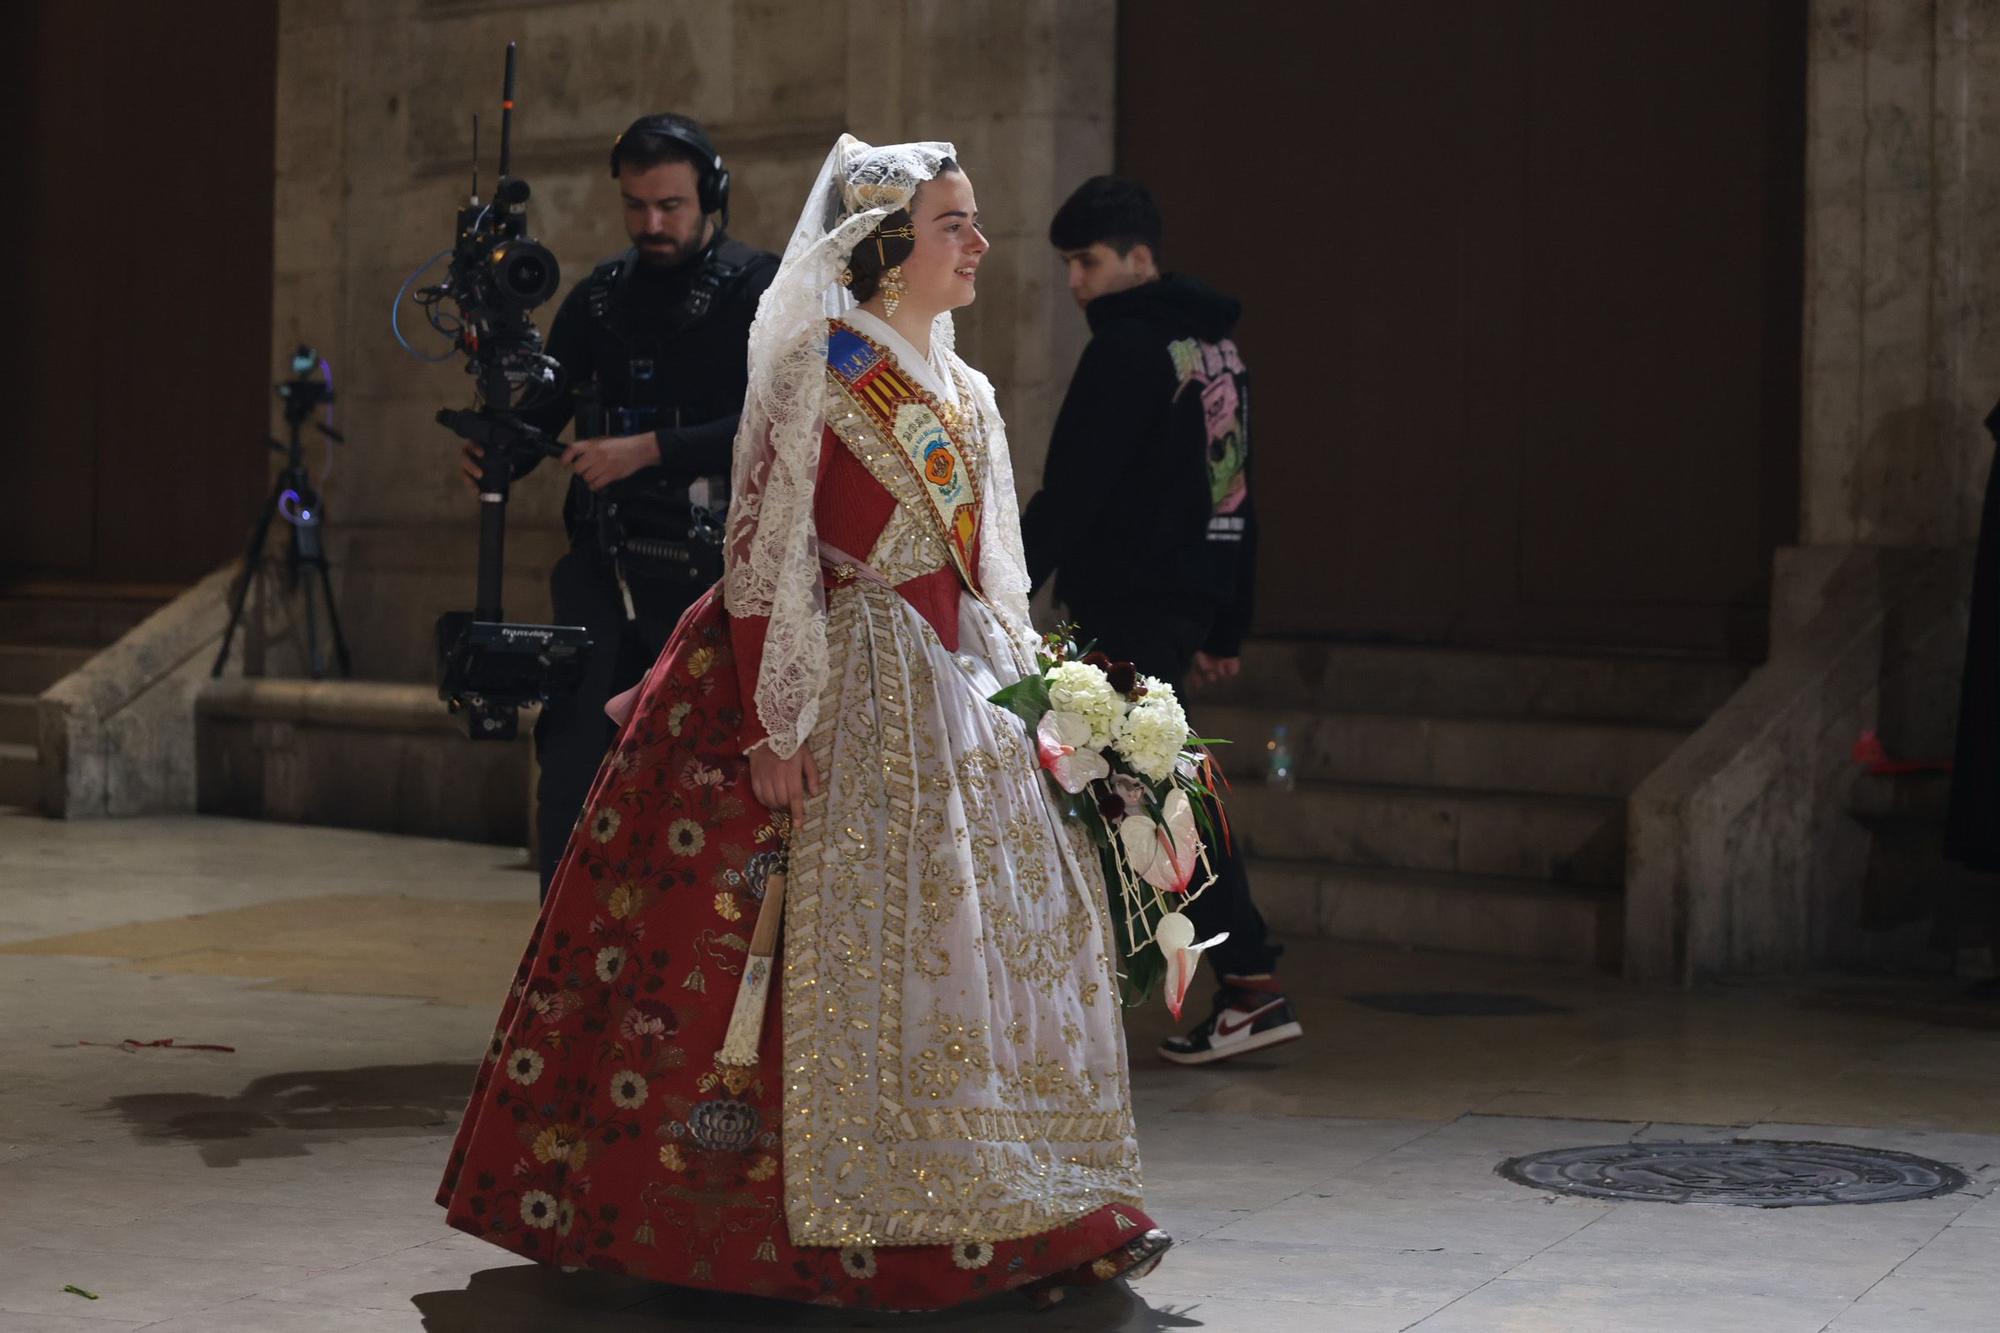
<point>253,556</point>
<point>333,619</point>
<point>315,663</point>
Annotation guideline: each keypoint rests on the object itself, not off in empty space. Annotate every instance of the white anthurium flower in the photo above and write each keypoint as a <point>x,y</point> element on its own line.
<point>1063,740</point>
<point>1163,853</point>
<point>1175,936</point>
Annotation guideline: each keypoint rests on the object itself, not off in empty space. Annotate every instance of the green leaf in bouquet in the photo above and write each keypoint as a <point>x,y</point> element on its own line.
<point>1082,807</point>
<point>1142,977</point>
<point>1204,817</point>
<point>1027,699</point>
<point>1140,970</point>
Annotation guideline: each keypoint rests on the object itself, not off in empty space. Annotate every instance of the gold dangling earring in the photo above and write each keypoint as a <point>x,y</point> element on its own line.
<point>891,288</point>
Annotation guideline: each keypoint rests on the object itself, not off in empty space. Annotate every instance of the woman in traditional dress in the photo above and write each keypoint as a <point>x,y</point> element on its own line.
<point>940,1107</point>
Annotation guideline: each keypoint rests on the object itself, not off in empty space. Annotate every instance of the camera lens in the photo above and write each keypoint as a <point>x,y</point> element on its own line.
<point>525,273</point>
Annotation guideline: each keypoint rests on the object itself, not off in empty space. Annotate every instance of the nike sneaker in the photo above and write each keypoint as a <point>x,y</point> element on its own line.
<point>1245,1019</point>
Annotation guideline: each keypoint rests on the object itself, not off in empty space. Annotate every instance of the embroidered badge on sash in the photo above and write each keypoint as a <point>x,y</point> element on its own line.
<point>905,414</point>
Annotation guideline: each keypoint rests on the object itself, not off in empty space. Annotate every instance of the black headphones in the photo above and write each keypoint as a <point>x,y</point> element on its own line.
<point>711,177</point>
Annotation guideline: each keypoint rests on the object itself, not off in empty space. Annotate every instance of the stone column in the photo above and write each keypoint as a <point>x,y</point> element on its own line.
<point>1902,353</point>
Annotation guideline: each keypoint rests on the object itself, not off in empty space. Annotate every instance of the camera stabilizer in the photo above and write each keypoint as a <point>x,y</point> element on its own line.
<point>498,275</point>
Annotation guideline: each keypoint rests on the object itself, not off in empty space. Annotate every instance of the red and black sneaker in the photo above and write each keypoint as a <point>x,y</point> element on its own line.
<point>1251,1013</point>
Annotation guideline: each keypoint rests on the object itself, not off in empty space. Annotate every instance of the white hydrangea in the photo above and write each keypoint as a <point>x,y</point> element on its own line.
<point>1079,688</point>
<point>1152,735</point>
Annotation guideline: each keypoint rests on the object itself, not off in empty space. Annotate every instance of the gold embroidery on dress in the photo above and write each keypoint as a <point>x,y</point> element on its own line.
<point>917,1131</point>
<point>908,548</point>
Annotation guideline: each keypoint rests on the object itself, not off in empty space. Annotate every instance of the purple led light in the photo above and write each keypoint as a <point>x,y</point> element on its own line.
<point>292,506</point>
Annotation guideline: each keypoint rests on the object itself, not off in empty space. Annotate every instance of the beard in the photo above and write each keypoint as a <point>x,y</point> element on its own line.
<point>662,251</point>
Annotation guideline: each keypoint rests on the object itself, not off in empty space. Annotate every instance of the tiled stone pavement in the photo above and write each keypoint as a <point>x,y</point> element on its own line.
<point>1342,1184</point>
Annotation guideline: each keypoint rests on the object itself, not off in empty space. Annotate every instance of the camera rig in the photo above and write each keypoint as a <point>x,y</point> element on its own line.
<point>497,276</point>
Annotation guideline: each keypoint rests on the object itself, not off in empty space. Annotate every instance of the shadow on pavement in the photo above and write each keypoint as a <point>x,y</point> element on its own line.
<point>281,1115</point>
<point>530,1299</point>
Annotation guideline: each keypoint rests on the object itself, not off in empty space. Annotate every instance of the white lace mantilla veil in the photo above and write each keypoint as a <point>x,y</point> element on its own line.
<point>772,563</point>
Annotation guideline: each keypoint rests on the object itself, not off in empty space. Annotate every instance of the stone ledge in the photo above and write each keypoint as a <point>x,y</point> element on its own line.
<point>356,705</point>
<point>116,735</point>
<point>376,755</point>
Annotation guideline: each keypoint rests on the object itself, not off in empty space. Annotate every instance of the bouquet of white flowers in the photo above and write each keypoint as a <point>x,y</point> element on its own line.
<point>1118,745</point>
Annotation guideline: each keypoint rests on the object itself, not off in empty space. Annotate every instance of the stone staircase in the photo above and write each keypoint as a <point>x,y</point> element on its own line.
<point>47,630</point>
<point>1451,799</point>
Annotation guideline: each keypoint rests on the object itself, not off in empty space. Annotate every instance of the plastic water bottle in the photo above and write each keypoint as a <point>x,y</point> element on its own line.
<point>1278,760</point>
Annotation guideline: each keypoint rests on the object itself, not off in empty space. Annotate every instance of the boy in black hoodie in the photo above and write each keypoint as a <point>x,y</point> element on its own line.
<point>1145,519</point>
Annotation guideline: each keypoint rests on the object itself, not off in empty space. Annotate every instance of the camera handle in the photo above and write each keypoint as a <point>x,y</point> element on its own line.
<point>502,438</point>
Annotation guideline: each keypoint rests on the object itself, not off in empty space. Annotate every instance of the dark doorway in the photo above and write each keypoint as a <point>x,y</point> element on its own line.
<point>1522,303</point>
<point>142,158</point>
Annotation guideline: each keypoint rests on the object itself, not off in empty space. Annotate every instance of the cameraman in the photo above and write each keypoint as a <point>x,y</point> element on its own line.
<point>652,347</point>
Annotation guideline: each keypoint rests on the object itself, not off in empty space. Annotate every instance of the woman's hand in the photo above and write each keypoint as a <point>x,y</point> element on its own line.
<point>784,784</point>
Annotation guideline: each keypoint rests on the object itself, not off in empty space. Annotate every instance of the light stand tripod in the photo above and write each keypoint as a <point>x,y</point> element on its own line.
<point>294,499</point>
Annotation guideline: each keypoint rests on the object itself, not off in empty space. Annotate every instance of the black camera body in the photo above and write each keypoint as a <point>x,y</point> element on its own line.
<point>496,265</point>
<point>499,274</point>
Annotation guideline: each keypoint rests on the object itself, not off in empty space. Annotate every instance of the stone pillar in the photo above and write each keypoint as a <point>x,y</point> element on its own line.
<point>1902,350</point>
<point>1902,343</point>
<point>375,103</point>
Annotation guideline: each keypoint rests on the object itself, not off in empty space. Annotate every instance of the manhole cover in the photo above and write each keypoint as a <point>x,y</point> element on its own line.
<point>1457,1004</point>
<point>1746,1172</point>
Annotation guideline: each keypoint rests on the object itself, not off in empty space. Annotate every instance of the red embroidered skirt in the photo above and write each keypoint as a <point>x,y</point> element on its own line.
<point>601,1132</point>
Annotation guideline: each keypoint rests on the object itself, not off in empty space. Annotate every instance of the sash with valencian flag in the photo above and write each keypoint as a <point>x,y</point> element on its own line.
<point>909,418</point>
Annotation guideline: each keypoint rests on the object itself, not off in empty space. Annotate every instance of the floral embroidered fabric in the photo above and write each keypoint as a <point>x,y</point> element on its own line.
<point>601,1133</point>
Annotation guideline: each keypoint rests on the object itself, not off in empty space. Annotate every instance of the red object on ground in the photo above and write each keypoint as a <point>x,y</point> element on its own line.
<point>602,1133</point>
<point>1873,755</point>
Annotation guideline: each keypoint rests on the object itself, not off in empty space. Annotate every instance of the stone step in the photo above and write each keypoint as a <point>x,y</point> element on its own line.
<point>1480,914</point>
<point>1377,678</point>
<point>1566,840</point>
<point>88,622</point>
<point>1555,757</point>
<point>32,668</point>
<point>20,776</point>
<point>19,723</point>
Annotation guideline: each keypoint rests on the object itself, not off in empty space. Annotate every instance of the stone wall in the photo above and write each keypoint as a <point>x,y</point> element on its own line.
<point>1902,325</point>
<point>1902,316</point>
<point>375,100</point>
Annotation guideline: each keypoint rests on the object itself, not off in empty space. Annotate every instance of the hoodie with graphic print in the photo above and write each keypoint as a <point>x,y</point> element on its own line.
<point>1145,501</point>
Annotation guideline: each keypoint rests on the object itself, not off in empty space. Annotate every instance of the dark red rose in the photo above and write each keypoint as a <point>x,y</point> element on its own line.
<point>1098,660</point>
<point>1124,677</point>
